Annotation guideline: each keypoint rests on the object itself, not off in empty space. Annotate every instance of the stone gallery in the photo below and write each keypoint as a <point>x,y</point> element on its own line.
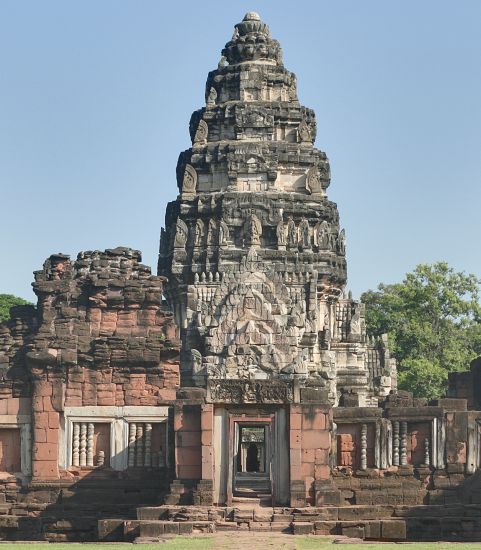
<point>237,389</point>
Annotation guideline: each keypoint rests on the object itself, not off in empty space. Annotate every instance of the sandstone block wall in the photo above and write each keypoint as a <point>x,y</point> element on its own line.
<point>99,336</point>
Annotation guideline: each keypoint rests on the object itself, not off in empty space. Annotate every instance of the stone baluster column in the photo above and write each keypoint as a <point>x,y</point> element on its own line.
<point>132,435</point>
<point>75,444</point>
<point>83,444</point>
<point>395,443</point>
<point>101,458</point>
<point>364,447</point>
<point>90,444</point>
<point>139,446</point>
<point>427,454</point>
<point>403,455</point>
<point>148,446</point>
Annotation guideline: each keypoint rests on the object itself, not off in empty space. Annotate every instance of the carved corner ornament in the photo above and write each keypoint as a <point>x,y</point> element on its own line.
<point>201,133</point>
<point>189,182</point>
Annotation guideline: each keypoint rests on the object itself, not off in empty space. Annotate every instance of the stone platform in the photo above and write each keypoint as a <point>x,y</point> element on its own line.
<point>384,523</point>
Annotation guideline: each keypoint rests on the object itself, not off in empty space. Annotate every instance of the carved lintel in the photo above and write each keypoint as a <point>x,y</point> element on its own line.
<point>249,391</point>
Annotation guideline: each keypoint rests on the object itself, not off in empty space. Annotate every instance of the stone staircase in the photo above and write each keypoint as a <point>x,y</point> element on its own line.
<point>388,523</point>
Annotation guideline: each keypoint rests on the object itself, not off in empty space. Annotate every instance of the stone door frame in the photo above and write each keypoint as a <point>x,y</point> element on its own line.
<point>265,421</point>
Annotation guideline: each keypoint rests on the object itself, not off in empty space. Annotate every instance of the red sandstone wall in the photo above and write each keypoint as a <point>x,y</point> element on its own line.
<point>99,336</point>
<point>310,442</point>
<point>188,447</point>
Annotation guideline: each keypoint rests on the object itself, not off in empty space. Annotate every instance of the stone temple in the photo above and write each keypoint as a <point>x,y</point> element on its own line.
<point>237,389</point>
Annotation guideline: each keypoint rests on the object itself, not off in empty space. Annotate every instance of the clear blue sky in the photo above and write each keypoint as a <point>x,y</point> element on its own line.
<point>95,100</point>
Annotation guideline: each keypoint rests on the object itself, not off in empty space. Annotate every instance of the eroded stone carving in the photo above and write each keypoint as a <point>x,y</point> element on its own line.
<point>323,235</point>
<point>304,133</point>
<point>281,235</point>
<point>199,232</point>
<point>341,242</point>
<point>212,97</point>
<point>291,233</point>
<point>201,133</point>
<point>223,233</point>
<point>245,391</point>
<point>252,231</point>
<point>304,234</point>
<point>189,182</point>
<point>181,234</point>
<point>313,180</point>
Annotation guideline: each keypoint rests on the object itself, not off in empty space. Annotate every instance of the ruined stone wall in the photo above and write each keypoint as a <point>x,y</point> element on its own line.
<point>99,346</point>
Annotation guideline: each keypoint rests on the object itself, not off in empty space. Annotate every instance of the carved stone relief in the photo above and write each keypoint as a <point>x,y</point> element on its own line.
<point>304,133</point>
<point>189,182</point>
<point>201,133</point>
<point>181,234</point>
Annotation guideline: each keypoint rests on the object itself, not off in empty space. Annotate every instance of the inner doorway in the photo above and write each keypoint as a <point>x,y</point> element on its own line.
<point>251,454</point>
<point>252,460</point>
<point>252,451</point>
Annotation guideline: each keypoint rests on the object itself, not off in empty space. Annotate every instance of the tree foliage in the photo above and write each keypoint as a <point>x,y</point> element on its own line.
<point>6,302</point>
<point>433,320</point>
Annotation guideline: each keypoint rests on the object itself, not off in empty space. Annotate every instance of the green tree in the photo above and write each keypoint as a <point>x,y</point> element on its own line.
<point>433,320</point>
<point>6,302</point>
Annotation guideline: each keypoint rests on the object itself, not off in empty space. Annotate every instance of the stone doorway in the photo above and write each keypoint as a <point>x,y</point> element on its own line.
<point>251,454</point>
<point>252,459</point>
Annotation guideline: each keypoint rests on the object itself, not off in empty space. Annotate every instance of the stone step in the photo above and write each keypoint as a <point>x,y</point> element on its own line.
<point>113,530</point>
<point>254,526</point>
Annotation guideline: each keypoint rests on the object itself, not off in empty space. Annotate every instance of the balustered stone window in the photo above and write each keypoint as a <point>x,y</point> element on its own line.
<point>355,446</point>
<point>418,445</point>
<point>90,444</point>
<point>147,445</point>
<point>114,437</point>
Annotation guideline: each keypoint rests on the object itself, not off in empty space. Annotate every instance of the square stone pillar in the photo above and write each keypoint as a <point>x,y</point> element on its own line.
<point>207,427</point>
<point>298,492</point>
<point>188,453</point>
<point>45,451</point>
<point>204,494</point>
<point>310,442</point>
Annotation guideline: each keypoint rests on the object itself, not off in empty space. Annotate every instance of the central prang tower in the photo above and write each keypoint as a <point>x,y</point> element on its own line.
<point>252,248</point>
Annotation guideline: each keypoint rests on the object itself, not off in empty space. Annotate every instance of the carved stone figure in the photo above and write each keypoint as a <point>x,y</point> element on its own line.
<point>181,234</point>
<point>341,243</point>
<point>304,133</point>
<point>313,181</point>
<point>223,233</point>
<point>211,232</point>
<point>189,183</point>
<point>201,133</point>
<point>291,233</point>
<point>281,235</point>
<point>212,97</point>
<point>199,232</point>
<point>253,230</point>
<point>196,361</point>
<point>304,234</point>
<point>323,235</point>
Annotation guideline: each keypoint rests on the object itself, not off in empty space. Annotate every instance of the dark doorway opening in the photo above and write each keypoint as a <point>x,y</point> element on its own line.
<point>252,458</point>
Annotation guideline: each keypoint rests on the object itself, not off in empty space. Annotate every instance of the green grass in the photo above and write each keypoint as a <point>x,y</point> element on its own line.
<point>208,543</point>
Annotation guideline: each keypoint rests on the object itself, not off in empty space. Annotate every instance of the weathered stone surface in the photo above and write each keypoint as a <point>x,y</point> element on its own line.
<point>252,248</point>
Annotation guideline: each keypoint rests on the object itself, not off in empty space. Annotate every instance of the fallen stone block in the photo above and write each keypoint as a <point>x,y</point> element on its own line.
<point>393,529</point>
